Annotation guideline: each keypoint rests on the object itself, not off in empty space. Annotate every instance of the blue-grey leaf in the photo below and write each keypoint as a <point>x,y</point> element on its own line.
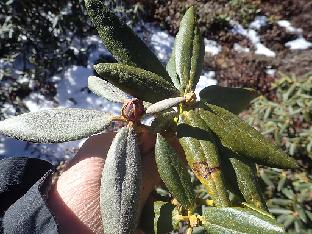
<point>120,184</point>
<point>164,105</point>
<point>55,125</point>
<point>106,90</point>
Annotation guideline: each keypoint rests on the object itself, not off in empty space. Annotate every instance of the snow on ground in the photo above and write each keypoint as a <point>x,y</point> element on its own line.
<point>289,28</point>
<point>205,80</point>
<point>212,47</point>
<point>240,49</point>
<point>259,22</point>
<point>299,44</point>
<point>253,36</point>
<point>162,43</point>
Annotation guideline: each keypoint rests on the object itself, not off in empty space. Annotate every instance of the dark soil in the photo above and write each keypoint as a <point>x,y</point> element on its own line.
<point>242,70</point>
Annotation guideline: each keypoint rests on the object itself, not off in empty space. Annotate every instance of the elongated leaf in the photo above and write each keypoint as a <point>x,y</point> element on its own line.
<point>189,51</point>
<point>121,41</point>
<point>55,125</point>
<point>106,90</point>
<point>230,180</point>
<point>164,105</point>
<point>120,184</point>
<point>171,69</point>
<point>248,183</point>
<point>164,221</point>
<point>197,59</point>
<point>239,220</point>
<point>202,155</point>
<point>247,180</point>
<point>173,173</point>
<point>231,99</point>
<point>137,82</point>
<point>243,139</point>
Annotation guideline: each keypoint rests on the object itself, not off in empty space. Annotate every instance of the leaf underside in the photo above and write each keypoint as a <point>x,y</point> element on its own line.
<point>106,90</point>
<point>55,125</point>
<point>120,184</point>
<point>164,105</point>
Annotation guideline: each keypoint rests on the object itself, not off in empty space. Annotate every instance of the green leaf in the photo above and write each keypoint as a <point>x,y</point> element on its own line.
<point>230,179</point>
<point>202,154</point>
<point>55,125</point>
<point>121,41</point>
<point>164,213</point>
<point>189,51</point>
<point>239,220</point>
<point>164,121</point>
<point>164,105</point>
<point>247,180</point>
<point>171,69</point>
<point>106,90</point>
<point>232,99</point>
<point>120,184</point>
<point>197,59</point>
<point>173,173</point>
<point>280,211</point>
<point>137,82</point>
<point>243,139</point>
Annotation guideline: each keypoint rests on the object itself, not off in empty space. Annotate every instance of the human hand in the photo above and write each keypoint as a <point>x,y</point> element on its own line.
<point>75,198</point>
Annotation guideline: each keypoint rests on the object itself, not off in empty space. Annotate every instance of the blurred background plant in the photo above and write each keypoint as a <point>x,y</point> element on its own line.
<point>287,121</point>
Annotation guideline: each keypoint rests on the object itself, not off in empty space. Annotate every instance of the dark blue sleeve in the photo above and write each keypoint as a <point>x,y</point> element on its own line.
<point>24,183</point>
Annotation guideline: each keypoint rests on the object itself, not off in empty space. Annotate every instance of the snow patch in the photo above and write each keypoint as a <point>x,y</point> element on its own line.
<point>270,71</point>
<point>207,79</point>
<point>162,43</point>
<point>253,36</point>
<point>259,22</point>
<point>289,28</point>
<point>212,47</point>
<point>240,49</point>
<point>299,44</point>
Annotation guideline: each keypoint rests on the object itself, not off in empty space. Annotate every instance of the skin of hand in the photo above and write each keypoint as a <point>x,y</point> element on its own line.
<point>74,200</point>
